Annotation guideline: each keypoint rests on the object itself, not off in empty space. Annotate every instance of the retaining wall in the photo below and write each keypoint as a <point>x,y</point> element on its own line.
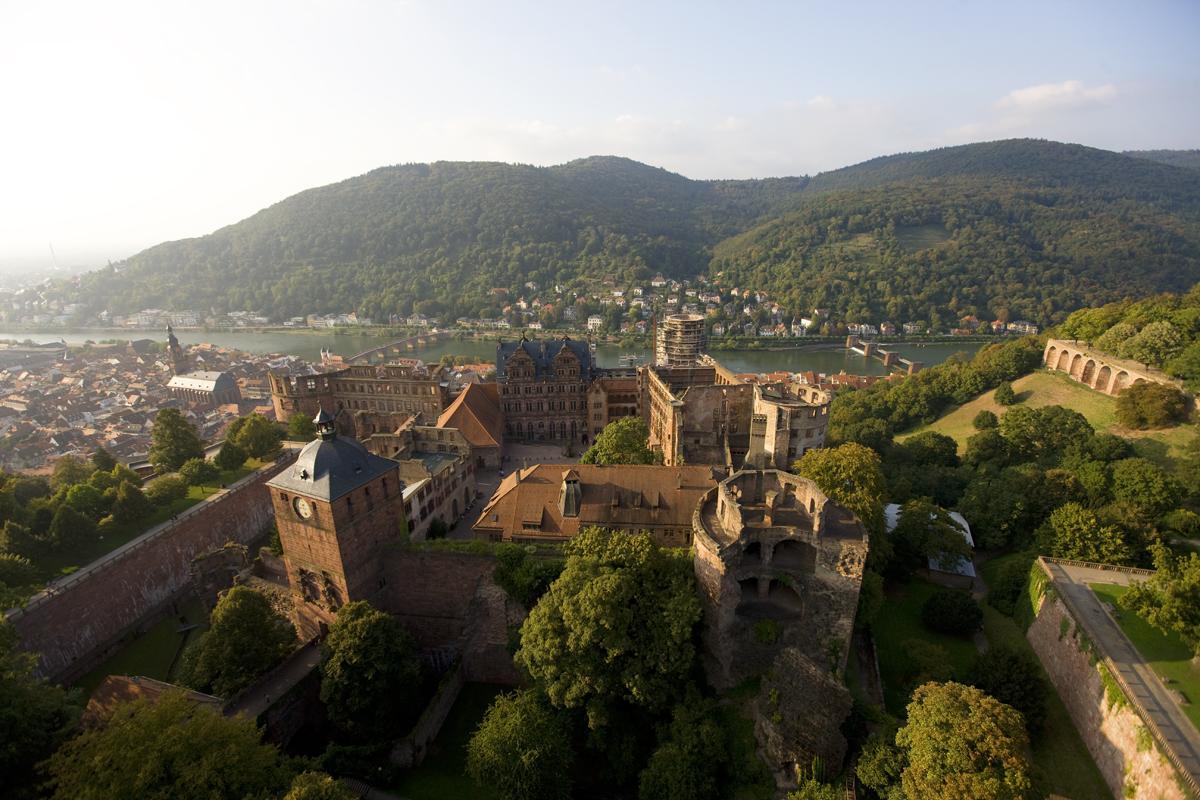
<point>76,621</point>
<point>1115,735</point>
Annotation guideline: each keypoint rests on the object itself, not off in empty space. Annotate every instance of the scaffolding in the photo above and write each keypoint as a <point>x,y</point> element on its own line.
<point>679,340</point>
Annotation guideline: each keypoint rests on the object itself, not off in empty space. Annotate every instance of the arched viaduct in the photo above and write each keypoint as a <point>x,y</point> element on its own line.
<point>1101,371</point>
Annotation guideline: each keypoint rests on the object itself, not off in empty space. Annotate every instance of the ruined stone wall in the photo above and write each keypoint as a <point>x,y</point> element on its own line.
<point>1120,744</point>
<point>448,600</point>
<point>78,620</point>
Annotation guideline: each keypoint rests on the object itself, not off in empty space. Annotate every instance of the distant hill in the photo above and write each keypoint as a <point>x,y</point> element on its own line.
<point>1189,159</point>
<point>1028,228</point>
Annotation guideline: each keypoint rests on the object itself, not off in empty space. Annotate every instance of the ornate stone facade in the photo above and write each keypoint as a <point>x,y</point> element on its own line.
<point>543,389</point>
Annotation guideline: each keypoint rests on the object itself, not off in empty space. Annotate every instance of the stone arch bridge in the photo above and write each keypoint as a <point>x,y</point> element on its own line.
<point>1101,371</point>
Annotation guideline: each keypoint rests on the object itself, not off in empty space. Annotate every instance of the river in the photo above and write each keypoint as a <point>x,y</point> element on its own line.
<point>308,345</point>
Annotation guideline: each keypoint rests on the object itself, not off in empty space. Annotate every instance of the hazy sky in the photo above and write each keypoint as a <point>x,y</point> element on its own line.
<point>123,124</point>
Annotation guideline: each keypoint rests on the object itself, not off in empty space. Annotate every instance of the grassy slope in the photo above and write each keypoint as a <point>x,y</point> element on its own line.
<point>153,653</point>
<point>1167,654</point>
<point>1060,755</point>
<point>1043,388</point>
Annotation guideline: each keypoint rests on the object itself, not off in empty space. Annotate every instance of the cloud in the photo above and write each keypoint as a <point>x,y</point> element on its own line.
<point>1045,96</point>
<point>820,101</point>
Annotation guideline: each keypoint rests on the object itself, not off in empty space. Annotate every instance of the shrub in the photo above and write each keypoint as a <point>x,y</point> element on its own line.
<point>199,472</point>
<point>167,490</point>
<point>1004,394</point>
<point>985,420</point>
<point>1014,678</point>
<point>1008,586</point>
<point>952,612</point>
<point>766,631</point>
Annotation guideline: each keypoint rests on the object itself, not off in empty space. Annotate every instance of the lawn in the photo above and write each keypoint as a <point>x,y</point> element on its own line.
<point>152,654</point>
<point>443,774</point>
<point>1167,654</point>
<point>900,620</point>
<point>1163,446</point>
<point>920,237</point>
<point>60,563</point>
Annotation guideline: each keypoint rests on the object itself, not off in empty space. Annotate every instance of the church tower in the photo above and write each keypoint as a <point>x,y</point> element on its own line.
<point>336,508</point>
<point>179,361</point>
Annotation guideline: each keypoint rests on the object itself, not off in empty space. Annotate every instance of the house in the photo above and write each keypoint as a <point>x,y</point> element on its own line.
<point>595,322</point>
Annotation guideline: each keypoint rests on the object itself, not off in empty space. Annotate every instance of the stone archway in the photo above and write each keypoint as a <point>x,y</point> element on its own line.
<point>785,598</point>
<point>752,553</point>
<point>1103,378</point>
<point>1076,366</point>
<point>1050,356</point>
<point>1089,372</point>
<point>1119,382</point>
<point>1064,361</point>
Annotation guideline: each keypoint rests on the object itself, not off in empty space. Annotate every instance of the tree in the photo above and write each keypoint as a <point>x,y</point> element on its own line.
<point>172,749</point>
<point>522,749</point>
<point>173,441</point>
<point>1111,340</point>
<point>69,471</point>
<point>880,766</point>
<point>34,713</point>
<point>1074,532</point>
<point>691,756</point>
<point>166,490</point>
<point>1154,344</point>
<point>87,500</point>
<point>952,612</point>
<point>1015,678</point>
<point>850,475</point>
<point>370,678</point>
<point>103,460</point>
<point>130,503</point>
<point>16,570</point>
<point>17,539</point>
<point>256,435</point>
<point>70,529</point>
<point>615,628</point>
<point>1145,487</point>
<point>199,472</point>
<point>230,457</point>
<point>1044,434</point>
<point>1151,405</point>
<point>301,427</point>
<point>623,441</point>
<point>246,638</point>
<point>317,786</point>
<point>985,420</point>
<point>522,575</point>
<point>926,531</point>
<point>959,742</point>
<point>1004,394</point>
<point>1170,598</point>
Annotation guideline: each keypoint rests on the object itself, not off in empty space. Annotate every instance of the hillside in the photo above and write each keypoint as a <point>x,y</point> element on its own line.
<point>1029,228</point>
<point>1189,159</point>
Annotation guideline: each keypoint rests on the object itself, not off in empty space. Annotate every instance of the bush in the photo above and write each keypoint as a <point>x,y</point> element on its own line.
<point>952,612</point>
<point>1151,405</point>
<point>522,575</point>
<point>167,490</point>
<point>199,472</point>
<point>985,420</point>
<point>1004,394</point>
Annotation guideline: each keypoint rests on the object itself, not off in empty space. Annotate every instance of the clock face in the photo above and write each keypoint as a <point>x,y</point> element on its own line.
<point>302,506</point>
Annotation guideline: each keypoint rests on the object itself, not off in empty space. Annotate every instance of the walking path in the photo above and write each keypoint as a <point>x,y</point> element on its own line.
<point>1153,699</point>
<point>258,698</point>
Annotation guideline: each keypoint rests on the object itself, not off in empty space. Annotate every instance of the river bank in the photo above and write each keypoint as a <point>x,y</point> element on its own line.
<point>825,355</point>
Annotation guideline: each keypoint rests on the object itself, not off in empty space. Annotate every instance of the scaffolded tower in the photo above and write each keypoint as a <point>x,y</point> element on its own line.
<point>679,340</point>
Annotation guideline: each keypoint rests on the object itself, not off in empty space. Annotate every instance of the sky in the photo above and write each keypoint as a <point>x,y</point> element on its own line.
<point>123,124</point>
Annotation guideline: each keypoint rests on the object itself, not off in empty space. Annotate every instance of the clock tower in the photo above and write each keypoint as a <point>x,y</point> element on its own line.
<point>336,508</point>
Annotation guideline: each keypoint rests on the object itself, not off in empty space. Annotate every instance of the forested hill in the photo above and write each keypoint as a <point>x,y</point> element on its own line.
<point>1176,158</point>
<point>1031,228</point>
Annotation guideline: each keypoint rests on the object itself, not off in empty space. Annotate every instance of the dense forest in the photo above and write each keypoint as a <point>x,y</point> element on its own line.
<point>1176,158</point>
<point>1019,228</point>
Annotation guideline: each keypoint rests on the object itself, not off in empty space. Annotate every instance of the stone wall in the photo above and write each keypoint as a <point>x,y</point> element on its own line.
<point>76,622</point>
<point>448,600</point>
<point>1099,370</point>
<point>1119,742</point>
